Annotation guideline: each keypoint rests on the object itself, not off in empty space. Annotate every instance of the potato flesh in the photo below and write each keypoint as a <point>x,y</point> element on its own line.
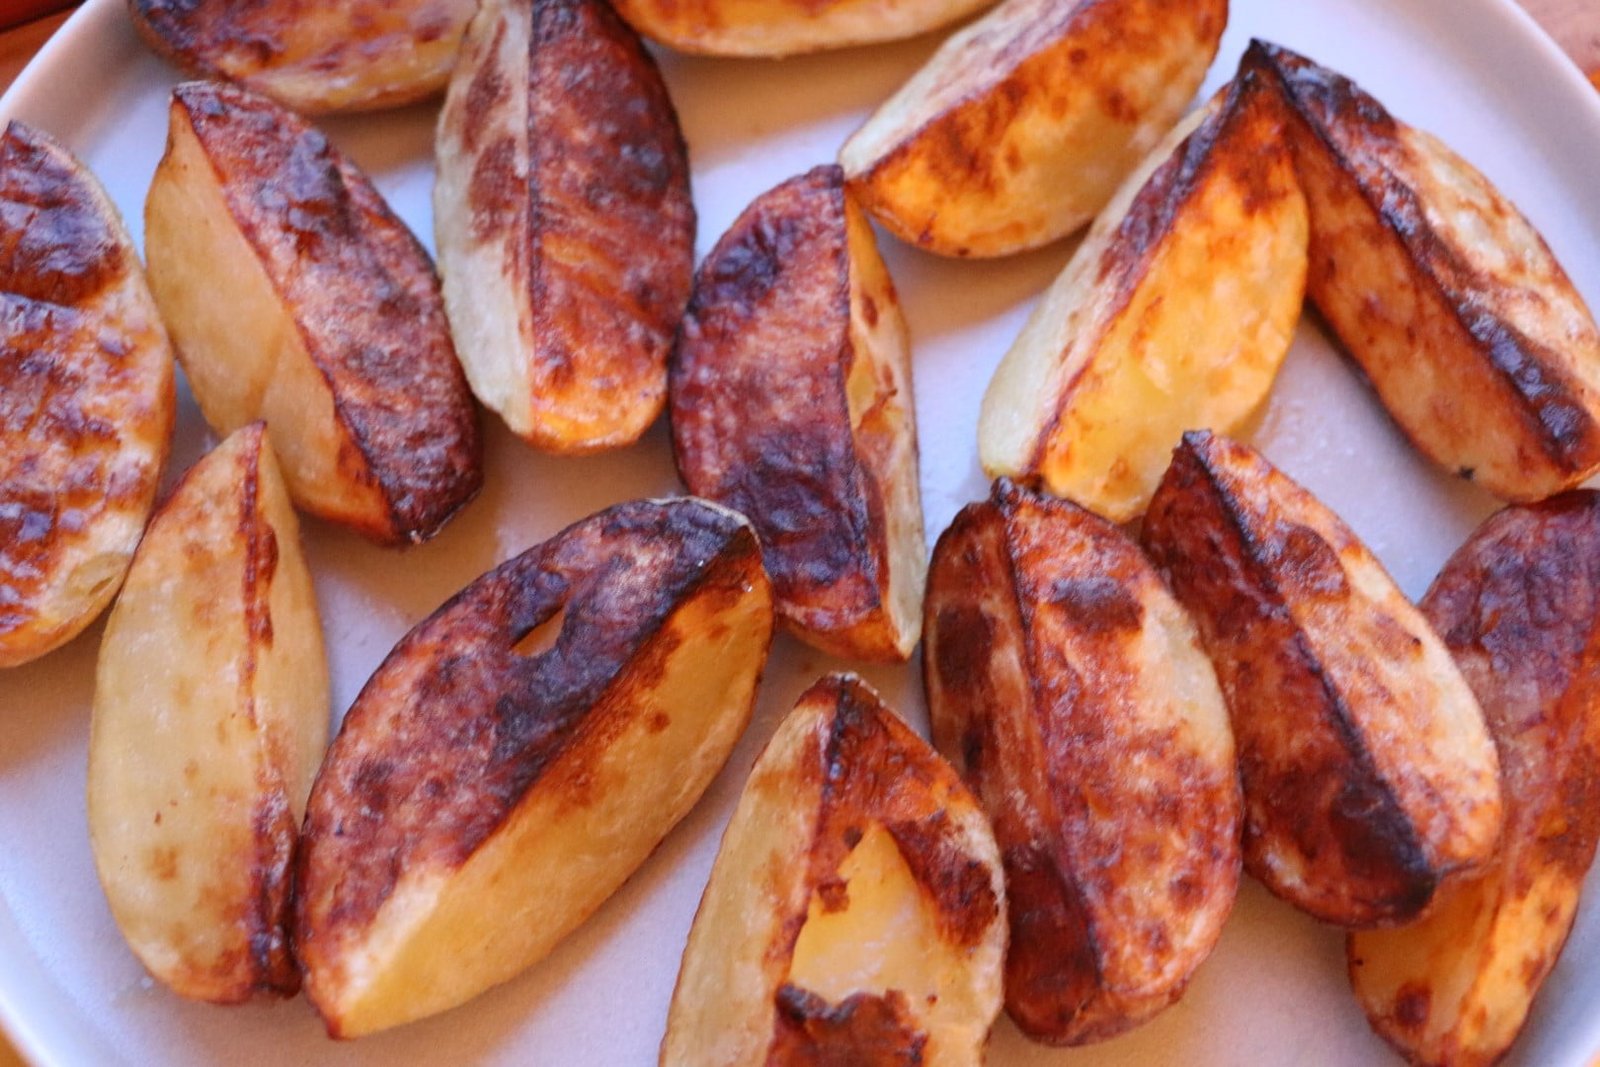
<point>787,27</point>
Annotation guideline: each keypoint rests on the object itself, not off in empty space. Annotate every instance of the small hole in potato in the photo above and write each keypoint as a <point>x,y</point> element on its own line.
<point>542,638</point>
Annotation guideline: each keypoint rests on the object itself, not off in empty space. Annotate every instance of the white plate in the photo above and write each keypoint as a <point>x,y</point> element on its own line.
<point>1476,72</point>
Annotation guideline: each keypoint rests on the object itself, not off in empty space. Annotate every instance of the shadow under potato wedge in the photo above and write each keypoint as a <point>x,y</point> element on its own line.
<point>773,28</point>
<point>1518,606</point>
<point>1369,777</point>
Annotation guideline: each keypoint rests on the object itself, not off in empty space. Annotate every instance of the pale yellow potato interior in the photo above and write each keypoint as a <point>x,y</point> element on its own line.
<point>787,27</point>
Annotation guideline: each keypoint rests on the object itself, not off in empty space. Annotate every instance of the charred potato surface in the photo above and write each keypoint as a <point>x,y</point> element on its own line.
<point>787,27</point>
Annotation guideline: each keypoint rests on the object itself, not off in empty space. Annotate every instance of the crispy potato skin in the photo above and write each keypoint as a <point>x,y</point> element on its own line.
<point>365,306</point>
<point>1023,124</point>
<point>357,55</point>
<point>1441,291</point>
<point>787,27</point>
<point>1519,607</point>
<point>774,415</point>
<point>1068,688</point>
<point>564,222</point>
<point>1369,777</point>
<point>86,397</point>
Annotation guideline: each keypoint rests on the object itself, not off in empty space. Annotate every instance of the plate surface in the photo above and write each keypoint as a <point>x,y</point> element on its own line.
<point>1476,72</point>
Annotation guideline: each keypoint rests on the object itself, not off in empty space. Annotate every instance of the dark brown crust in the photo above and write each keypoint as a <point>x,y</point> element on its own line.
<point>866,1030</point>
<point>363,295</point>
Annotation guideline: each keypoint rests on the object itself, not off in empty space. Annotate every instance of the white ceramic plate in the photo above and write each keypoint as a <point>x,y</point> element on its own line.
<point>1476,72</point>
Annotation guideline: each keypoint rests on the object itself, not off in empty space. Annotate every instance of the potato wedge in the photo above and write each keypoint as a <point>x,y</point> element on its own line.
<point>1369,777</point>
<point>356,55</point>
<point>787,27</point>
<point>855,912</point>
<point>295,295</point>
<point>564,222</point>
<point>1441,291</point>
<point>1068,688</point>
<point>210,718</point>
<point>1020,128</point>
<point>86,397</point>
<point>484,797</point>
<point>1519,607</point>
<point>791,402</point>
<point>1175,312</point>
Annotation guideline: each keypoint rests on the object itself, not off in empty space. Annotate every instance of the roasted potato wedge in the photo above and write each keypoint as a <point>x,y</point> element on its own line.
<point>86,397</point>
<point>855,912</point>
<point>1021,127</point>
<point>484,797</point>
<point>791,402</point>
<point>787,27</point>
<point>1369,777</point>
<point>356,55</point>
<point>1068,688</point>
<point>295,295</point>
<point>1442,293</point>
<point>564,223</point>
<point>1175,312</point>
<point>1519,607</point>
<point>210,717</point>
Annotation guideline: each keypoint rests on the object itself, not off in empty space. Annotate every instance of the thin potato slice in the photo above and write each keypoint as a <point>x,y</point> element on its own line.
<point>791,402</point>
<point>787,27</point>
<point>1441,291</point>
<point>1021,127</point>
<point>484,797</point>
<point>855,912</point>
<point>210,717</point>
<point>1068,688</point>
<point>1519,607</point>
<point>1175,312</point>
<point>1369,777</point>
<point>86,397</point>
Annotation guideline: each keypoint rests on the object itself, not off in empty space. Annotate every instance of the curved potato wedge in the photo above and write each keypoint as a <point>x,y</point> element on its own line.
<point>1441,291</point>
<point>1519,607</point>
<point>1176,311</point>
<point>564,222</point>
<point>787,27</point>
<point>295,295</point>
<point>1021,127</point>
<point>356,55</point>
<point>86,397</point>
<point>483,798</point>
<point>1369,777</point>
<point>1068,688</point>
<point>210,717</point>
<point>854,914</point>
<point>791,402</point>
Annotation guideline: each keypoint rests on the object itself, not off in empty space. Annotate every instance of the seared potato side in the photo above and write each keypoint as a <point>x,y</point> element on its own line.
<point>787,27</point>
<point>1519,607</point>
<point>1447,298</point>
<point>1175,312</point>
<point>296,296</point>
<point>485,796</point>
<point>791,403</point>
<point>1369,777</point>
<point>356,55</point>
<point>1023,124</point>
<point>1068,688</point>
<point>86,397</point>
<point>855,912</point>
<point>564,223</point>
<point>210,717</point>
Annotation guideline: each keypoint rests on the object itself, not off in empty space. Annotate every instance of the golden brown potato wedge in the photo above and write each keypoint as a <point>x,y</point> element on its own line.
<point>791,402</point>
<point>564,223</point>
<point>1175,312</point>
<point>1519,607</point>
<point>484,797</point>
<point>787,27</point>
<point>356,55</point>
<point>1441,291</point>
<point>855,912</point>
<point>86,397</point>
<point>295,295</point>
<point>1369,777</point>
<point>210,717</point>
<point>1021,127</point>
<point>1068,688</point>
